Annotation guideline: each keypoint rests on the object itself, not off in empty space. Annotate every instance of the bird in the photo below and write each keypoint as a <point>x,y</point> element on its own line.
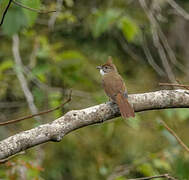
<point>115,88</point>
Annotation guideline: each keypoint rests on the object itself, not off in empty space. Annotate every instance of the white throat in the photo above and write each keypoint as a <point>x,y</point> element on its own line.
<point>102,72</point>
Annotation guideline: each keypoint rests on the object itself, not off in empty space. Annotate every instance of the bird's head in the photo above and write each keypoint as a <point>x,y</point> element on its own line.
<point>107,67</point>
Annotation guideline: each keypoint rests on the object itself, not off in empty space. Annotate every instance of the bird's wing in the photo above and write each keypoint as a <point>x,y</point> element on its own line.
<point>114,84</point>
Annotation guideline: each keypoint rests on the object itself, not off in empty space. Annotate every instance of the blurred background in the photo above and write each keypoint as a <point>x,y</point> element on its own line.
<point>43,55</point>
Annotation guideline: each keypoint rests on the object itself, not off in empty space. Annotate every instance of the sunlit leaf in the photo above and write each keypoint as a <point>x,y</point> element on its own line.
<point>67,16</point>
<point>55,101</point>
<point>163,164</point>
<point>6,65</point>
<point>40,70</point>
<point>69,3</point>
<point>30,15</point>
<point>146,169</point>
<point>120,178</point>
<point>71,54</point>
<point>129,28</point>
<point>44,50</point>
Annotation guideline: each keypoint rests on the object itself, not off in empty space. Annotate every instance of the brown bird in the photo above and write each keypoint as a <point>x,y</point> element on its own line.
<point>115,88</point>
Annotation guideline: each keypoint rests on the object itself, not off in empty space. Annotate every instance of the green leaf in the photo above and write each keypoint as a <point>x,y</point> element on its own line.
<point>159,163</point>
<point>40,71</point>
<point>6,65</point>
<point>38,95</point>
<point>31,15</point>
<point>134,122</point>
<point>69,3</point>
<point>103,170</point>
<point>14,21</point>
<point>44,50</point>
<point>146,169</point>
<point>72,54</point>
<point>104,21</point>
<point>3,5</point>
<point>18,17</point>
<point>183,114</point>
<point>67,16</point>
<point>55,101</point>
<point>170,113</point>
<point>129,28</point>
<point>120,178</point>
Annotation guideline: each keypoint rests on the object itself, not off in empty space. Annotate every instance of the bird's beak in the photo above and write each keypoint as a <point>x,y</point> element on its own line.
<point>99,67</point>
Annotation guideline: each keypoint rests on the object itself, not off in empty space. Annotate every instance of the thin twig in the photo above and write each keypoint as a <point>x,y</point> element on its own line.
<point>22,80</point>
<point>32,58</point>
<point>125,169</point>
<point>4,13</point>
<point>52,19</point>
<point>126,48</point>
<point>187,88</point>
<point>119,171</point>
<point>154,177</point>
<point>170,52</point>
<point>179,9</point>
<point>7,159</point>
<point>175,135</point>
<point>32,9</point>
<point>165,43</point>
<point>177,85</point>
<point>150,58</point>
<point>168,48</point>
<point>38,114</point>
<point>156,39</point>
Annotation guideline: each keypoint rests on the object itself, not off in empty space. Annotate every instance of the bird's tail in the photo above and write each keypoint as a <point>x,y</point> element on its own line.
<point>125,108</point>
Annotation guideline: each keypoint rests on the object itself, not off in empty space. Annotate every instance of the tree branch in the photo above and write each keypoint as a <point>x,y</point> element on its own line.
<point>155,177</point>
<point>176,85</point>
<point>179,9</point>
<point>52,19</point>
<point>22,80</point>
<point>150,58</point>
<point>75,119</point>
<point>32,9</point>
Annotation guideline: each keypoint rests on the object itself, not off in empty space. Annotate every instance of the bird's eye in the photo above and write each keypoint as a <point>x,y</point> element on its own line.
<point>106,67</point>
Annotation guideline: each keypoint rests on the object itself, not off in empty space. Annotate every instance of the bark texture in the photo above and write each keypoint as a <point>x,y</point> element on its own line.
<point>75,119</point>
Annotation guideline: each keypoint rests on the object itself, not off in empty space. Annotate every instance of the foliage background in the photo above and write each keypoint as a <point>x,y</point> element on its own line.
<point>64,55</point>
